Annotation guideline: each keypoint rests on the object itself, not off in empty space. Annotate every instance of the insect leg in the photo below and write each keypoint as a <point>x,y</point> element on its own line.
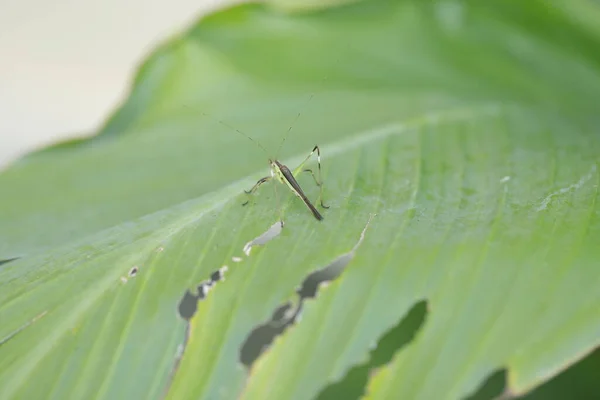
<point>319,184</point>
<point>318,181</point>
<point>255,187</point>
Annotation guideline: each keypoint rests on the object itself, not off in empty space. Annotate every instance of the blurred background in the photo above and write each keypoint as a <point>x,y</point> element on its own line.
<point>66,64</point>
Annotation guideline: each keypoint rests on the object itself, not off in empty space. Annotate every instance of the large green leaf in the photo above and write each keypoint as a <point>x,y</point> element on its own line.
<point>469,129</point>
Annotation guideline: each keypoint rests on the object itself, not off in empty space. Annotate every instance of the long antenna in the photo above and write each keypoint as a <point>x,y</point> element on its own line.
<point>286,134</point>
<point>235,129</point>
<point>294,122</point>
<point>301,110</point>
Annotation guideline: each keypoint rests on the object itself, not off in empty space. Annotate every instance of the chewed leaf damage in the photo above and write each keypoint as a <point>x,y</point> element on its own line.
<point>261,240</point>
<point>573,381</point>
<point>261,337</point>
<point>353,384</point>
<point>188,305</point>
<point>189,302</point>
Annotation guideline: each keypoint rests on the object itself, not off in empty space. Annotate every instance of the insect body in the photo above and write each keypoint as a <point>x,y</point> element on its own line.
<point>283,174</point>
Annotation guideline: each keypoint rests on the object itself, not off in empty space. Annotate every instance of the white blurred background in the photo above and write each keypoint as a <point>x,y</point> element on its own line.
<point>66,64</point>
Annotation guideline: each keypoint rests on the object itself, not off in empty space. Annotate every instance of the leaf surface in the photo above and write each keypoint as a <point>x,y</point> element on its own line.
<point>468,129</point>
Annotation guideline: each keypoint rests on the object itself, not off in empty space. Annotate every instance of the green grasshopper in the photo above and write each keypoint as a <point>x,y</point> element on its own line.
<point>282,173</point>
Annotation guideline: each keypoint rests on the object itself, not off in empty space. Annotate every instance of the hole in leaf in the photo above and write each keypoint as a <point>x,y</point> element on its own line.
<point>189,302</point>
<point>492,387</point>
<point>580,382</point>
<point>353,385</point>
<point>261,337</point>
<point>188,305</point>
<point>261,240</point>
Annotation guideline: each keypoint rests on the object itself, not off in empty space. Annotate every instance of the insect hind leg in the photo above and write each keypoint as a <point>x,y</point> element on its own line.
<point>319,180</point>
<point>319,184</point>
